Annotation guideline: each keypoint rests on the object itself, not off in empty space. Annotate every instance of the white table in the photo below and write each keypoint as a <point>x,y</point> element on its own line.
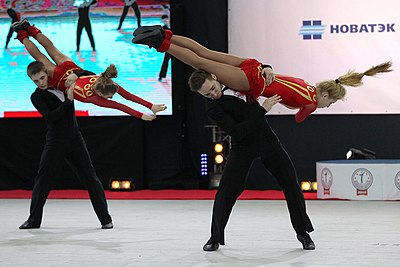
<point>359,179</point>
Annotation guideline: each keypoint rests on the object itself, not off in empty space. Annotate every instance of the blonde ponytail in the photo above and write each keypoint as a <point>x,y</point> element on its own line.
<point>354,79</point>
<point>335,88</point>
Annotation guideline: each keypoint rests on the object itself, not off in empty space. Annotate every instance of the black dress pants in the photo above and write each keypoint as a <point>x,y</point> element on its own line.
<point>77,156</point>
<point>276,160</point>
<point>138,15</point>
<point>84,23</point>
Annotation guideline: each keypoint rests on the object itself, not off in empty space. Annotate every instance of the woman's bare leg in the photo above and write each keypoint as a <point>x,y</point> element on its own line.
<point>37,55</point>
<point>53,52</point>
<point>227,74</point>
<point>204,52</point>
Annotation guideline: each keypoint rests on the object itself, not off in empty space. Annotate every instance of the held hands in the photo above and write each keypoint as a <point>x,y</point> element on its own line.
<point>71,79</point>
<point>148,117</point>
<point>270,102</point>
<point>155,108</point>
<point>269,75</point>
<point>158,107</point>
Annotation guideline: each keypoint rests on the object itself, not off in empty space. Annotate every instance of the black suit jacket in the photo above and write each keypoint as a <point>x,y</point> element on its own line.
<point>59,116</point>
<point>244,122</point>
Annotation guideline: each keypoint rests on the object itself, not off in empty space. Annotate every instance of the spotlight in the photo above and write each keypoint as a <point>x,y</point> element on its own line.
<point>218,147</point>
<point>219,159</point>
<point>362,153</point>
<point>121,185</point>
<point>305,185</point>
<point>314,186</point>
<point>115,185</point>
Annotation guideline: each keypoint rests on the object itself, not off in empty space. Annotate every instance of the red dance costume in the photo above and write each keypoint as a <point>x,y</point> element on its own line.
<point>295,92</point>
<point>83,90</point>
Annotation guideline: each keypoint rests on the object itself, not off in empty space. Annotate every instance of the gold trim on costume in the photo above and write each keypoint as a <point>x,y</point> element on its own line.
<point>258,77</point>
<point>301,90</point>
<point>65,75</point>
<point>87,90</point>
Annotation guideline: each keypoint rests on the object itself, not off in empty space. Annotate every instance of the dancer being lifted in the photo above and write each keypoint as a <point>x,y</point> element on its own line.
<point>88,87</point>
<point>247,75</point>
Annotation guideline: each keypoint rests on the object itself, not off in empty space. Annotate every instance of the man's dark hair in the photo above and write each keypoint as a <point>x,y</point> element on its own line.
<point>35,67</point>
<point>197,79</point>
<point>164,16</point>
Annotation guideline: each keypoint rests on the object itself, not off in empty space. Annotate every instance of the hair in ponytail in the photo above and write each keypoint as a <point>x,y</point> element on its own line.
<point>105,85</point>
<point>335,88</point>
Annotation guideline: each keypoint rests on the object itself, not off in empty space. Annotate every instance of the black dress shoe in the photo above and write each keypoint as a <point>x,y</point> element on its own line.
<point>107,226</point>
<point>145,29</point>
<point>29,225</point>
<point>306,241</point>
<point>152,39</point>
<point>210,246</point>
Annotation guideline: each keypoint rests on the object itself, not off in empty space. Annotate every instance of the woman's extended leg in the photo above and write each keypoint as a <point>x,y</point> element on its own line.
<point>34,51</point>
<point>227,74</point>
<point>53,52</point>
<point>204,52</point>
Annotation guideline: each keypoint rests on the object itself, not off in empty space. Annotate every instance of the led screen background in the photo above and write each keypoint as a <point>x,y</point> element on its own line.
<point>138,66</point>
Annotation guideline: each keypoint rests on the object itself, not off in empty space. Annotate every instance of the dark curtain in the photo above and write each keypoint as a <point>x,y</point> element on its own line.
<point>114,143</point>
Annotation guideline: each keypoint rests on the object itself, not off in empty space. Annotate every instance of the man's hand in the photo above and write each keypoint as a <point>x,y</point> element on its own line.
<point>70,80</point>
<point>147,117</point>
<point>269,75</point>
<point>158,107</point>
<point>270,102</point>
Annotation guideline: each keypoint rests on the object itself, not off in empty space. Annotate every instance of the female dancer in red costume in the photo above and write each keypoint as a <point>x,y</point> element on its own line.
<point>88,87</point>
<point>248,75</point>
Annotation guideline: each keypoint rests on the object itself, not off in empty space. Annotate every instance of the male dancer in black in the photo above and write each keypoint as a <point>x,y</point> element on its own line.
<point>252,138</point>
<point>167,57</point>
<point>84,22</point>
<point>64,142</point>
<point>135,7</point>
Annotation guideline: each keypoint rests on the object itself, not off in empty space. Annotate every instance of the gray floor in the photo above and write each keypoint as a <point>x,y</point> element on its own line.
<point>172,233</point>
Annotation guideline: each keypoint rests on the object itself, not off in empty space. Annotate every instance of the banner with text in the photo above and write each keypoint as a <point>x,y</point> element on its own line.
<point>321,40</point>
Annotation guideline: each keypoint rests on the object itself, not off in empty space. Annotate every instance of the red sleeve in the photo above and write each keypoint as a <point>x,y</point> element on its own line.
<point>107,103</point>
<point>125,94</point>
<point>304,112</point>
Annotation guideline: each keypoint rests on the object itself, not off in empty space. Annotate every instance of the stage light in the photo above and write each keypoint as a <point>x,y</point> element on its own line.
<point>204,164</point>
<point>305,185</point>
<point>362,153</point>
<point>218,147</point>
<point>126,184</point>
<point>314,186</point>
<point>219,159</point>
<point>115,184</point>
<point>121,185</point>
